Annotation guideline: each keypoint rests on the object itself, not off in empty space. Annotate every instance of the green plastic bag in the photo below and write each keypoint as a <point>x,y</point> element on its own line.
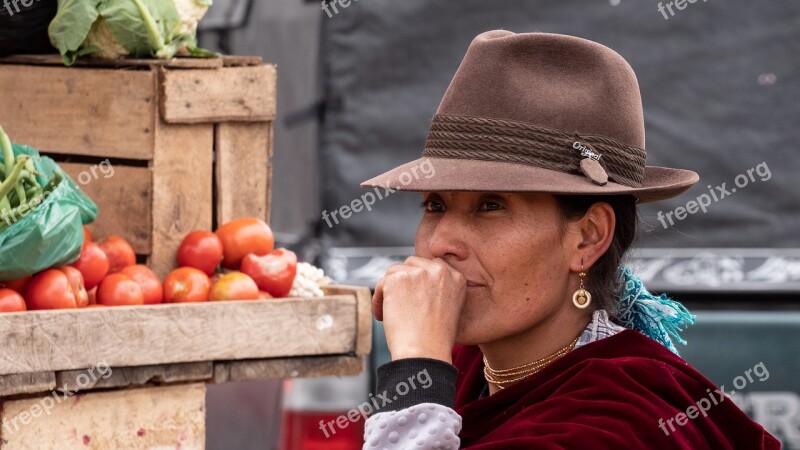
<point>52,233</point>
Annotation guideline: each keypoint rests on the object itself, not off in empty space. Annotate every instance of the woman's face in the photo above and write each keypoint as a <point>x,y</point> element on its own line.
<point>510,249</point>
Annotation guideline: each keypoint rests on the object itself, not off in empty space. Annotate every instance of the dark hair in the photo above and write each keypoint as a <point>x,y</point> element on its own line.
<point>601,280</point>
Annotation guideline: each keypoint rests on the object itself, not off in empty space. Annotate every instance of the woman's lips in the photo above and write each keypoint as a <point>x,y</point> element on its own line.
<point>472,284</point>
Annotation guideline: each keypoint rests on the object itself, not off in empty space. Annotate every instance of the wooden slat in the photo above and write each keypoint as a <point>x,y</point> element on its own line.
<point>38,341</point>
<point>125,63</point>
<point>364,310</point>
<point>239,60</point>
<point>182,189</point>
<point>123,195</point>
<point>104,377</point>
<point>154,417</point>
<point>97,112</point>
<point>242,170</point>
<point>303,367</point>
<point>26,383</point>
<point>218,95</point>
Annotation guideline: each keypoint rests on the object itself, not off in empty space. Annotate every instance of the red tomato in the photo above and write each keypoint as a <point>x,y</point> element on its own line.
<point>119,251</point>
<point>11,301</point>
<point>274,272</point>
<point>118,289</point>
<point>264,295</point>
<point>55,289</point>
<point>242,236</point>
<point>148,281</point>
<point>87,235</point>
<point>92,293</point>
<point>78,286</point>
<point>93,264</point>
<point>186,284</point>
<point>201,250</point>
<point>233,286</point>
<point>16,285</point>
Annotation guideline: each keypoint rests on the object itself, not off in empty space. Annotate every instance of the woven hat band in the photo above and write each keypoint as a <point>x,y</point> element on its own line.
<point>479,138</point>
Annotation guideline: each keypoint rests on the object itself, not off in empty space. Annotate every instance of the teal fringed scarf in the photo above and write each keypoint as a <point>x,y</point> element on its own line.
<point>659,318</point>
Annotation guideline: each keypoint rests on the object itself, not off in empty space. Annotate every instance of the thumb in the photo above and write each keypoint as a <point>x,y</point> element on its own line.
<point>377,300</point>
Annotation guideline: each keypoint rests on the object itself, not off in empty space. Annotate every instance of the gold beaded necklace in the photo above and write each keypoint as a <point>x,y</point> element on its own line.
<point>502,378</point>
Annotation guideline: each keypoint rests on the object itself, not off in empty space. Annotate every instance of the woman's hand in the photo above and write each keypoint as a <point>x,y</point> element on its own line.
<point>420,304</point>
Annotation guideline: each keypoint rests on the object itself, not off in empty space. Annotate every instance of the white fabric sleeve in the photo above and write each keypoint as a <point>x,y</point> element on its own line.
<point>427,426</point>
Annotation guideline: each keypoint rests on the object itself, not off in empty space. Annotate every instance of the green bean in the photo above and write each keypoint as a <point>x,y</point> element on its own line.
<point>8,151</point>
<point>12,213</point>
<point>28,178</point>
<point>13,176</point>
<point>21,194</point>
<point>32,191</point>
<point>31,167</point>
<point>13,198</point>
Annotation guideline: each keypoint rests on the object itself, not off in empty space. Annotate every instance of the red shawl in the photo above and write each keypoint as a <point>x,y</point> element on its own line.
<point>607,394</point>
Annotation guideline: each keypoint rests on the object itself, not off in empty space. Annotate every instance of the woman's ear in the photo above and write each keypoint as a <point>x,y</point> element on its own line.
<point>596,230</point>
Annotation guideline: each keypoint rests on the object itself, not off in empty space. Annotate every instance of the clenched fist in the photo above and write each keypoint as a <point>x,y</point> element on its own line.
<point>420,304</point>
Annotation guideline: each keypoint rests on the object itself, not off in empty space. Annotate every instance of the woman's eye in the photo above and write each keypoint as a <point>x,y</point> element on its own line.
<point>432,206</point>
<point>490,205</point>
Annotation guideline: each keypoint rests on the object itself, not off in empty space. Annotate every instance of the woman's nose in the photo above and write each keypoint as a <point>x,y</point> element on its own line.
<point>449,239</point>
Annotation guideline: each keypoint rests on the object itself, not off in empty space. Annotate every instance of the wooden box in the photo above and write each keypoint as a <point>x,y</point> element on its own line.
<point>186,142</point>
<point>134,377</point>
<point>189,143</point>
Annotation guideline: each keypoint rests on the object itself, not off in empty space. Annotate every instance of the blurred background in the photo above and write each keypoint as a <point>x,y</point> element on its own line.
<point>358,85</point>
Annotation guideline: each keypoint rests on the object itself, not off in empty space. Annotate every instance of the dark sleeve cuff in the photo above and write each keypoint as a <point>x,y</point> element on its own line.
<point>410,381</point>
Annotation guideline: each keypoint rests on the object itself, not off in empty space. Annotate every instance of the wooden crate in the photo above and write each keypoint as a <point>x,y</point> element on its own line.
<point>189,140</point>
<point>134,377</point>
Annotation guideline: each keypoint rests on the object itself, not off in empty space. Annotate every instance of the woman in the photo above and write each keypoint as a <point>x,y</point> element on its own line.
<point>515,306</point>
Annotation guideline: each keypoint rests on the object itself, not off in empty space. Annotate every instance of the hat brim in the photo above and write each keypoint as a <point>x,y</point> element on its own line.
<point>443,174</point>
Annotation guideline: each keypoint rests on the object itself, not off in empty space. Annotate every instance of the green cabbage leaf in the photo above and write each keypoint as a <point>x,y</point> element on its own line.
<point>120,28</point>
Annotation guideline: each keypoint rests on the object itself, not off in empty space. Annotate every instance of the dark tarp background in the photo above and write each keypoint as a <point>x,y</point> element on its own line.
<point>384,67</point>
<point>720,83</point>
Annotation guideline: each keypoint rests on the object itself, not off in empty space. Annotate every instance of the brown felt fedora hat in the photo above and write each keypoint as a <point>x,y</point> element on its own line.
<point>539,112</point>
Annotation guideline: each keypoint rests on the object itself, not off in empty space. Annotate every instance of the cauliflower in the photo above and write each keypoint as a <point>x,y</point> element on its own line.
<point>190,12</point>
<point>308,281</point>
<point>119,28</point>
<point>101,38</point>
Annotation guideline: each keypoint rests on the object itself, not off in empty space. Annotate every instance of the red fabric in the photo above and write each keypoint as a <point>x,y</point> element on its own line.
<point>603,395</point>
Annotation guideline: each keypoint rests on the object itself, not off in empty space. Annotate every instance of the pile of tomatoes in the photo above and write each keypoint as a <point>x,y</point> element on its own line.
<point>237,262</point>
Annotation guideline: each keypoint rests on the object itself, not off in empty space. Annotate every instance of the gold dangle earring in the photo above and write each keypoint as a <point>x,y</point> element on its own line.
<point>582,298</point>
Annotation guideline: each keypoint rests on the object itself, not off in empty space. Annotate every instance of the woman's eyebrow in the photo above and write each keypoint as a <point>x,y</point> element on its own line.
<point>494,196</point>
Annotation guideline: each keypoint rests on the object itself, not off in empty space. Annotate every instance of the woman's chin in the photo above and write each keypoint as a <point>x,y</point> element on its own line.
<point>474,329</point>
